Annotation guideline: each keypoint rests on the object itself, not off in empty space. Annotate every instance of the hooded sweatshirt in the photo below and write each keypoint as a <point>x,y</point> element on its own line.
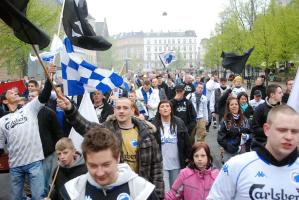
<point>67,173</point>
<point>127,186</point>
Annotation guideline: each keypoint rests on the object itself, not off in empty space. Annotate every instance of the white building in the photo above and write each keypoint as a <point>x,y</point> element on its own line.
<point>144,48</point>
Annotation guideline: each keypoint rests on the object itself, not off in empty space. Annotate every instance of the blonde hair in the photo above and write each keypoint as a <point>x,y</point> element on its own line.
<point>238,78</point>
<point>64,143</point>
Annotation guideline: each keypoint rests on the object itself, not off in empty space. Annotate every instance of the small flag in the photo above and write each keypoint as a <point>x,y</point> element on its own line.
<point>79,75</point>
<point>12,12</point>
<point>45,56</point>
<point>167,58</point>
<point>294,96</point>
<point>235,63</point>
<point>78,29</point>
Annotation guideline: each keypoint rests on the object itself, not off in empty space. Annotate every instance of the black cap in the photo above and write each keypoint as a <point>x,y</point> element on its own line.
<point>257,93</point>
<point>180,87</point>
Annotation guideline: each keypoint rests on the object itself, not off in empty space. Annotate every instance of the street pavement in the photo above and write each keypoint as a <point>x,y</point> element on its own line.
<point>211,140</point>
<point>4,186</point>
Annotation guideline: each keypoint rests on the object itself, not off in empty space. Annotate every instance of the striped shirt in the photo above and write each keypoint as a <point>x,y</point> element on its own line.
<point>20,130</point>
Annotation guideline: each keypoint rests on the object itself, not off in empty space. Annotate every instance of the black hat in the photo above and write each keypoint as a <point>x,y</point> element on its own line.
<point>257,93</point>
<point>180,87</point>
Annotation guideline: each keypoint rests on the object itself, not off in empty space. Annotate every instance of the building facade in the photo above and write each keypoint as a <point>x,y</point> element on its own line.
<point>143,49</point>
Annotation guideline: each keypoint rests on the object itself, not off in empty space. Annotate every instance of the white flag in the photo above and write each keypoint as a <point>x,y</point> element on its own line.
<point>294,96</point>
<point>167,58</point>
<point>87,110</point>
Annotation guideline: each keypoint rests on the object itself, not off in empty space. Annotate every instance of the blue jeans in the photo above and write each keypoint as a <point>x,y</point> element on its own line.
<point>36,180</point>
<point>49,163</point>
<point>169,177</point>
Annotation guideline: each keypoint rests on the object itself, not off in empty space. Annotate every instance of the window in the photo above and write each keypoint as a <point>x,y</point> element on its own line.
<point>184,41</point>
<point>148,41</point>
<point>148,48</point>
<point>179,41</point>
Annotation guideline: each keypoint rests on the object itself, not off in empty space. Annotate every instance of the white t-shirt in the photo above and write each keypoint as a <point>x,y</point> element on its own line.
<point>169,145</point>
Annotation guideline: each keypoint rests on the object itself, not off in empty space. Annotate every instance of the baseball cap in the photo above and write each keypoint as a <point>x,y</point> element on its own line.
<point>179,87</point>
<point>257,93</point>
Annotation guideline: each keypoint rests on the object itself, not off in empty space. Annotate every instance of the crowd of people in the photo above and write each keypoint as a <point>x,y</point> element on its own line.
<point>149,141</point>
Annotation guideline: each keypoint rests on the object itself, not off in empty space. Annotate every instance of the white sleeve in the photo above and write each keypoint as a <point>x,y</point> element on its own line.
<point>205,111</point>
<point>139,95</point>
<point>154,100</point>
<point>212,101</point>
<point>224,187</point>
<point>2,138</point>
<point>210,84</point>
<point>34,106</point>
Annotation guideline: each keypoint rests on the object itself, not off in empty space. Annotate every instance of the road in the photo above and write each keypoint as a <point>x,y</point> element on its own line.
<point>211,140</point>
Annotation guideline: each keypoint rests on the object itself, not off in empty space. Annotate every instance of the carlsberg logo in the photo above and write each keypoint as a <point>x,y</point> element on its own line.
<point>256,192</point>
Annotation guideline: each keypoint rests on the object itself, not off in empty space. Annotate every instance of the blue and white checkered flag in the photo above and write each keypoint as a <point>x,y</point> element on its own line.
<point>79,75</point>
<point>167,58</point>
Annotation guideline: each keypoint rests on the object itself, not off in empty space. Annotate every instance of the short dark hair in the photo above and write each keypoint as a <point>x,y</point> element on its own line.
<point>98,139</point>
<point>222,79</point>
<point>271,89</point>
<point>242,94</point>
<point>146,82</point>
<point>197,146</point>
<point>34,82</point>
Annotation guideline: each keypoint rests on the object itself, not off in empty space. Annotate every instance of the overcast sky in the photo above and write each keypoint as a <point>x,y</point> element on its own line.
<point>146,15</point>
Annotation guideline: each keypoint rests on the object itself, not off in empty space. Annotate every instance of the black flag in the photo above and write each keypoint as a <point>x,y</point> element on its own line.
<point>12,12</point>
<point>77,28</point>
<point>235,63</point>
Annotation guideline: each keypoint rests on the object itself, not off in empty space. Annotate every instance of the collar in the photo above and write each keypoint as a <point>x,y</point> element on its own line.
<point>267,157</point>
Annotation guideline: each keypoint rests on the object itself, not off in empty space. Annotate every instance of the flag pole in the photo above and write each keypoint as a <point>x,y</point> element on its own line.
<point>45,70</point>
<point>53,181</point>
<point>60,20</point>
<point>58,31</point>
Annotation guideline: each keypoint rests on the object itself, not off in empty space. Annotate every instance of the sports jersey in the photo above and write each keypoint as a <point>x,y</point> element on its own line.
<point>257,175</point>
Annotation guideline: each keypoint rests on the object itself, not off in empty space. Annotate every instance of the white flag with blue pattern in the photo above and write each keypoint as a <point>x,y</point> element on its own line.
<point>79,75</point>
<point>167,58</point>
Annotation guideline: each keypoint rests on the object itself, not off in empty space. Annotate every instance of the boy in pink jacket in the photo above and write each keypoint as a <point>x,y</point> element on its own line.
<point>195,181</point>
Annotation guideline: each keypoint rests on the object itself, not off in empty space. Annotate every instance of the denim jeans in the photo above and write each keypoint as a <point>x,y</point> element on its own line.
<point>49,164</point>
<point>169,177</point>
<point>36,180</point>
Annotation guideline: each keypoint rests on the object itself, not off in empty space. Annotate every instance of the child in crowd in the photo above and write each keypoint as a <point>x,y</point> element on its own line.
<point>195,181</point>
<point>71,165</point>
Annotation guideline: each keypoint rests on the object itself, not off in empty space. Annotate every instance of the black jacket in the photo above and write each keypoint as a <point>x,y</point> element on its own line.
<point>183,140</point>
<point>65,174</point>
<point>186,112</point>
<point>259,118</point>
<point>230,137</point>
<point>49,129</point>
<point>222,102</point>
<point>107,110</point>
<point>262,88</point>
